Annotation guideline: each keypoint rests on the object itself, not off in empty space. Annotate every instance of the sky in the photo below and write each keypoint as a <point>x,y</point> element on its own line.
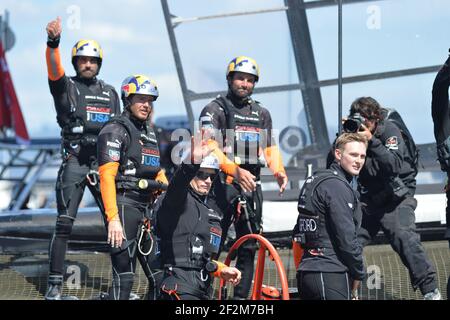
<point>378,36</point>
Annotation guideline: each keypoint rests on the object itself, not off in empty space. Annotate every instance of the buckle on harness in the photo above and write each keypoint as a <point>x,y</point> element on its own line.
<point>316,252</point>
<point>92,177</point>
<point>171,292</point>
<point>145,239</point>
<point>242,204</point>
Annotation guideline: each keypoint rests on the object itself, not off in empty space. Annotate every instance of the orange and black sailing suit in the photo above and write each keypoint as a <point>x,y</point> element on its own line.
<point>252,135</point>
<point>128,155</point>
<point>82,107</point>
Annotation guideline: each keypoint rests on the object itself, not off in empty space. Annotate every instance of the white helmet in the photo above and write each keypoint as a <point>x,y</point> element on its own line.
<point>210,162</point>
<point>243,64</point>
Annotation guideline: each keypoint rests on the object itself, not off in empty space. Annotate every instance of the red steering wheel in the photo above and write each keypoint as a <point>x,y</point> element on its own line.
<point>259,272</point>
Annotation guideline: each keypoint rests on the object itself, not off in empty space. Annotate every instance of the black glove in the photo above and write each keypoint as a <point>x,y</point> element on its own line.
<point>53,43</point>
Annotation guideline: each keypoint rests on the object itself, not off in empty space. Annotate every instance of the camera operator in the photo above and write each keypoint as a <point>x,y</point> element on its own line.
<point>387,185</point>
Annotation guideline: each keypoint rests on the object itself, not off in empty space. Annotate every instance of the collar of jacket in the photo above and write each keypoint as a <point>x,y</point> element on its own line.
<point>88,82</point>
<point>140,125</point>
<point>337,167</point>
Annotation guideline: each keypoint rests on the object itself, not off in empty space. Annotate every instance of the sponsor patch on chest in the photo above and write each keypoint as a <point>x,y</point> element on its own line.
<point>114,155</point>
<point>392,143</point>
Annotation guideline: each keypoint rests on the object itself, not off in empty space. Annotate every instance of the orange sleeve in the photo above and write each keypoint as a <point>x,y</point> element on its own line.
<point>161,177</point>
<point>220,267</point>
<point>274,160</point>
<point>108,173</point>
<point>226,165</point>
<point>55,69</point>
<point>298,253</point>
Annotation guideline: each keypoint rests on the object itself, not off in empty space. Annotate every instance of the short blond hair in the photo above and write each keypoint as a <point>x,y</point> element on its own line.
<point>348,137</point>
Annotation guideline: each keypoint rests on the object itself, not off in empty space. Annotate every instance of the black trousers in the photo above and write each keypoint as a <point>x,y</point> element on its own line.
<point>323,285</point>
<point>123,259</point>
<point>226,200</point>
<point>397,220</point>
<point>447,209</point>
<point>185,284</point>
<point>447,219</point>
<point>70,185</point>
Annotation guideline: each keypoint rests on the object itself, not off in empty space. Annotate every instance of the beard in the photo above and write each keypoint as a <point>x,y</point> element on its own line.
<point>240,93</point>
<point>87,73</point>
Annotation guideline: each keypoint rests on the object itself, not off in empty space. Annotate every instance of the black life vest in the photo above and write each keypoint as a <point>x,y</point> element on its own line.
<point>141,158</point>
<point>89,111</point>
<point>310,230</point>
<point>195,248</point>
<point>247,131</point>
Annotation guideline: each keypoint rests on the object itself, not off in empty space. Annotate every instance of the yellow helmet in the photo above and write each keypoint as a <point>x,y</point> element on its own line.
<point>138,84</point>
<point>243,64</point>
<point>87,48</point>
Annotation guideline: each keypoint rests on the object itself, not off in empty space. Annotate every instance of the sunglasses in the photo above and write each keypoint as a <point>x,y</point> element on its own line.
<point>202,175</point>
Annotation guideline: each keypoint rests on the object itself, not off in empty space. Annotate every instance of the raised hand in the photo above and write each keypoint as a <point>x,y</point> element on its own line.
<point>54,28</point>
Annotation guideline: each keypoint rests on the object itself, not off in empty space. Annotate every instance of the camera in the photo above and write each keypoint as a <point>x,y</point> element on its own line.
<point>353,123</point>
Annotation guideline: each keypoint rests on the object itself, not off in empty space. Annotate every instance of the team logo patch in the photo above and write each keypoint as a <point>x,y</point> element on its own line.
<point>115,144</point>
<point>392,143</point>
<point>114,155</point>
<point>249,134</point>
<point>96,114</point>
<point>216,236</point>
<point>150,157</point>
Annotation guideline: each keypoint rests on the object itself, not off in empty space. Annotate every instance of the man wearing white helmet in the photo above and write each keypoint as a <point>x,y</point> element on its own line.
<point>129,165</point>
<point>83,104</point>
<point>251,137</point>
<point>190,232</point>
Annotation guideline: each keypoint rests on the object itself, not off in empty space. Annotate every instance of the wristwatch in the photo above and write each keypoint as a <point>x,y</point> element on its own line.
<point>211,266</point>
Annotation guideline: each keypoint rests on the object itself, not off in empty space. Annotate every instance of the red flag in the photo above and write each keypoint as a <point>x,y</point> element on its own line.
<point>10,113</point>
<point>5,119</point>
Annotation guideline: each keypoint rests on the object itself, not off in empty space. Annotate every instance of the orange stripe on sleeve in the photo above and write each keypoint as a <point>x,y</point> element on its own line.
<point>55,69</point>
<point>226,165</point>
<point>161,177</point>
<point>274,160</point>
<point>108,173</point>
<point>220,267</point>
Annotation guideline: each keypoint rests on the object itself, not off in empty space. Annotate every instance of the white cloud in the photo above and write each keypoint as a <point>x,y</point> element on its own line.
<point>170,97</point>
<point>28,60</point>
<point>20,7</point>
<point>108,32</point>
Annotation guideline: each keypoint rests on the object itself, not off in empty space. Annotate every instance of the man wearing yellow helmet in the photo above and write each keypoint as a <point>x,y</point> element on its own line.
<point>129,166</point>
<point>83,104</point>
<point>251,137</point>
